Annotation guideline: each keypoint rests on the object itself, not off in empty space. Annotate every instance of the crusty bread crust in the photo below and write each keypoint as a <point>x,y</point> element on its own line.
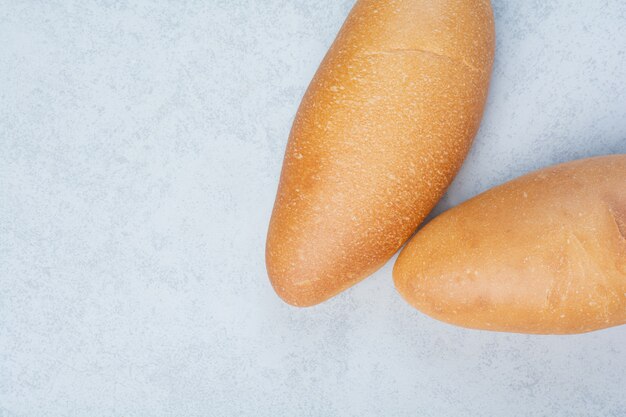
<point>382,130</point>
<point>545,253</point>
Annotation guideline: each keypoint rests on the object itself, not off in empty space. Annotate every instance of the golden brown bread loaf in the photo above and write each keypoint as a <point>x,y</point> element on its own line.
<point>545,253</point>
<point>380,133</point>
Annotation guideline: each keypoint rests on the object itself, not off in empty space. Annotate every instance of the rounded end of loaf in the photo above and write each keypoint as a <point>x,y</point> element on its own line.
<point>306,269</point>
<point>295,272</point>
<point>298,286</point>
<point>407,283</point>
<point>433,277</point>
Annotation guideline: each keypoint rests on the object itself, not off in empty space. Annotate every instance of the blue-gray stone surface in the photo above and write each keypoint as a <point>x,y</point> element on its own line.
<point>140,148</point>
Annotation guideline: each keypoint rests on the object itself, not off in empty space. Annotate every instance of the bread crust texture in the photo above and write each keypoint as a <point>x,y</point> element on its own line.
<point>542,254</point>
<point>381,132</point>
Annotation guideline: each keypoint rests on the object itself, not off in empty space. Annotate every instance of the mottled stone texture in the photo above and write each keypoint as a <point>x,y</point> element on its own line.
<point>140,147</point>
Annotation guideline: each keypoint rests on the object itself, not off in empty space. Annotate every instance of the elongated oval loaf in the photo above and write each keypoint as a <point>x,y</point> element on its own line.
<point>381,132</point>
<point>545,253</point>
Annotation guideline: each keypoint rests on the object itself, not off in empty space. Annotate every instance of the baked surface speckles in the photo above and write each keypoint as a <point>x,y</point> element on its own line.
<point>381,131</point>
<point>541,254</point>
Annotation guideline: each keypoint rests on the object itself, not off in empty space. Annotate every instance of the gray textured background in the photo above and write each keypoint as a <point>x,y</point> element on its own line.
<point>140,146</point>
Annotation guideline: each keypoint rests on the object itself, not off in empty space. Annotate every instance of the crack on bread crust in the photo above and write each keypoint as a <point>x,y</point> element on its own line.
<point>586,258</point>
<point>619,216</point>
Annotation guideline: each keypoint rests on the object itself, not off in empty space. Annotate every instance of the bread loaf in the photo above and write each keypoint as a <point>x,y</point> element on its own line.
<point>545,253</point>
<point>381,131</point>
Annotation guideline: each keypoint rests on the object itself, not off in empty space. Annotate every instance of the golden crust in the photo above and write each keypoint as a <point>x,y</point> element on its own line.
<point>382,129</point>
<point>545,253</point>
